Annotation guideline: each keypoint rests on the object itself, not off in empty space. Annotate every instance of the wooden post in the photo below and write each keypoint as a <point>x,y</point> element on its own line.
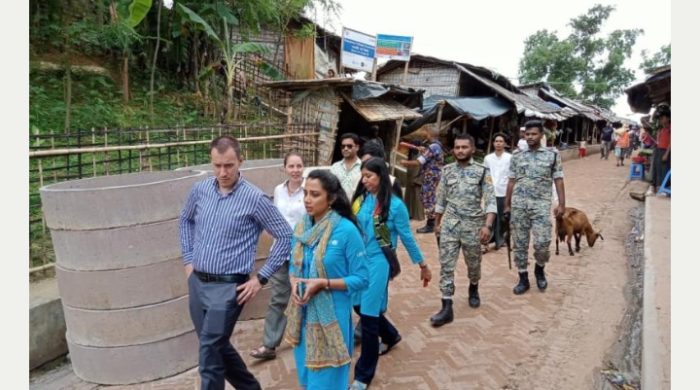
<point>488,141</point>
<point>439,115</point>
<point>399,124</point>
<point>374,69</point>
<point>405,72</point>
<point>464,125</point>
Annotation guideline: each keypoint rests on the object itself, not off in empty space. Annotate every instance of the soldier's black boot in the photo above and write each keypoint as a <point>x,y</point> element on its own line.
<point>539,275</point>
<point>474,300</point>
<point>523,285</point>
<point>428,228</point>
<point>444,316</point>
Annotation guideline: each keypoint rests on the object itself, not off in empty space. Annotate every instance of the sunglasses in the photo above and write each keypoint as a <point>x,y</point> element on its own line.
<point>345,146</point>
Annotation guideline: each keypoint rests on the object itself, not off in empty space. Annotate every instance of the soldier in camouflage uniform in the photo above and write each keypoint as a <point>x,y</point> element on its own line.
<point>430,162</point>
<point>461,223</point>
<point>529,193</point>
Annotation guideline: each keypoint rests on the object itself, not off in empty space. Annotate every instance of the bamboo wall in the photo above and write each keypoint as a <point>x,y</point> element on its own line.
<point>322,107</point>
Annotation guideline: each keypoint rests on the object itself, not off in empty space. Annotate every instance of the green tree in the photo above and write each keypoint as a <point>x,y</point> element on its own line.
<point>585,59</point>
<point>659,59</point>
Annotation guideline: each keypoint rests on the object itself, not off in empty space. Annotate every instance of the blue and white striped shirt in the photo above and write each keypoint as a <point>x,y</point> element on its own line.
<point>219,233</point>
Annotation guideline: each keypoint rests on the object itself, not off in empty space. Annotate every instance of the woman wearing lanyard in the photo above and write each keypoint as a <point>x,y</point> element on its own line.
<point>382,217</point>
<point>289,199</point>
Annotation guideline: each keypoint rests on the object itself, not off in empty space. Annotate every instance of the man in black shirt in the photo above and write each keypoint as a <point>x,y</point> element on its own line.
<point>606,140</point>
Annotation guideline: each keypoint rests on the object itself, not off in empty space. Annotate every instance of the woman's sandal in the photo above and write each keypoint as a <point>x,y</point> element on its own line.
<point>385,348</point>
<point>264,353</point>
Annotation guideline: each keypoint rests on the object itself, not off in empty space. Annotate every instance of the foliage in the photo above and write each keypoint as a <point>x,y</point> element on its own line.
<point>585,58</point>
<point>97,103</point>
<point>113,33</point>
<point>138,9</point>
<point>657,60</point>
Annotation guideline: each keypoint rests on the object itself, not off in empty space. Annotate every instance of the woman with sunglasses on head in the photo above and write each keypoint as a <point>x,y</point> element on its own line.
<point>327,266</point>
<point>383,218</point>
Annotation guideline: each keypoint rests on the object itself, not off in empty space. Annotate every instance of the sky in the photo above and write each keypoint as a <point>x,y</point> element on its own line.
<point>492,33</point>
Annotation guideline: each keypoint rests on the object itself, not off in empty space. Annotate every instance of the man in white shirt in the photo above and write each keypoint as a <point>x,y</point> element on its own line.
<point>347,170</point>
<point>498,163</point>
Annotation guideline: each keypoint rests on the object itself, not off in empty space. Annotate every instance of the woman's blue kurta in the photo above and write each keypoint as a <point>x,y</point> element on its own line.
<point>344,258</point>
<point>374,300</point>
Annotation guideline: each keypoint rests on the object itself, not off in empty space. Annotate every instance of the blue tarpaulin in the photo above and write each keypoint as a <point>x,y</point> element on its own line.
<point>475,107</point>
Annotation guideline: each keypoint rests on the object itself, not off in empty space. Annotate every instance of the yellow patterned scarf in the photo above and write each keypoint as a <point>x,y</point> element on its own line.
<point>325,345</point>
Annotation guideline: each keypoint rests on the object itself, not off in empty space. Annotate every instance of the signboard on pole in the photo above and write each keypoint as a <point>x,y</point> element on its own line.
<point>394,47</point>
<point>358,50</point>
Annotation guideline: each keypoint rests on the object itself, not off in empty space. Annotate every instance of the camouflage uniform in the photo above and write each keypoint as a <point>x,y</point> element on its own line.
<point>431,162</point>
<point>531,202</point>
<point>459,197</point>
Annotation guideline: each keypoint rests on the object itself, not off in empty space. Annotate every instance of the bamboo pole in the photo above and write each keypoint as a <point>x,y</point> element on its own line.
<point>41,268</point>
<point>374,69</point>
<point>488,147</point>
<point>464,125</point>
<point>140,152</point>
<point>405,72</point>
<point>53,145</point>
<point>106,156</point>
<point>148,141</point>
<point>439,114</point>
<point>61,152</point>
<point>184,139</point>
<point>94,160</point>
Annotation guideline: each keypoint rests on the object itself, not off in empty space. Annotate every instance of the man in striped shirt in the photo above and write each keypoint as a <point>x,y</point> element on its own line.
<point>219,230</point>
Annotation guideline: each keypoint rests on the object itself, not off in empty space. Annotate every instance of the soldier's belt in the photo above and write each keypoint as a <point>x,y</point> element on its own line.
<point>460,216</point>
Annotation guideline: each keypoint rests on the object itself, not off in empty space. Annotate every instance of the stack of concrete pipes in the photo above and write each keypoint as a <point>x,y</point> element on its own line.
<point>120,273</point>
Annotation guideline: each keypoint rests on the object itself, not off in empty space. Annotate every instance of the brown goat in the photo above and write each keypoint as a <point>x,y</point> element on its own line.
<point>575,223</point>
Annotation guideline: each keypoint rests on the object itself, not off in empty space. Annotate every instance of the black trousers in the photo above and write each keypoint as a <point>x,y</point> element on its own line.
<point>497,227</point>
<point>214,312</point>
<point>373,328</point>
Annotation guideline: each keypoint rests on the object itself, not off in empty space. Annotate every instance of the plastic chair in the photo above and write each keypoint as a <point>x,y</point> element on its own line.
<point>636,171</point>
<point>665,188</point>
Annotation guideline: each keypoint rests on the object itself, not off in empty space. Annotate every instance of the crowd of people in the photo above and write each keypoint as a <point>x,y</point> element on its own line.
<point>336,233</point>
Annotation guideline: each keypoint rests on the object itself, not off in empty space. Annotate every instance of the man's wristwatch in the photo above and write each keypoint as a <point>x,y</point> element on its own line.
<point>487,227</point>
<point>263,280</point>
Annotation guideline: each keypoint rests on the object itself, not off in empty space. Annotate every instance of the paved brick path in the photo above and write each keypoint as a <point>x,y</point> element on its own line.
<point>552,340</point>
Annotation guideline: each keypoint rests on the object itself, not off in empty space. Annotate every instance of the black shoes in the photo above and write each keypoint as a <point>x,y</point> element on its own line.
<point>523,285</point>
<point>539,275</point>
<point>428,228</point>
<point>474,300</point>
<point>444,316</point>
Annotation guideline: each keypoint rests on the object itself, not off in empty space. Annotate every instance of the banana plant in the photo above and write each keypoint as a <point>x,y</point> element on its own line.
<point>232,53</point>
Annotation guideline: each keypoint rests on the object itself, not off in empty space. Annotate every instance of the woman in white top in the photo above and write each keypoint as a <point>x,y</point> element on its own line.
<point>289,199</point>
<point>498,163</point>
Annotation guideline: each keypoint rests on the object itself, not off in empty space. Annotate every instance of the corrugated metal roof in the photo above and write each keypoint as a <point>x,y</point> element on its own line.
<point>577,107</point>
<point>378,110</point>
